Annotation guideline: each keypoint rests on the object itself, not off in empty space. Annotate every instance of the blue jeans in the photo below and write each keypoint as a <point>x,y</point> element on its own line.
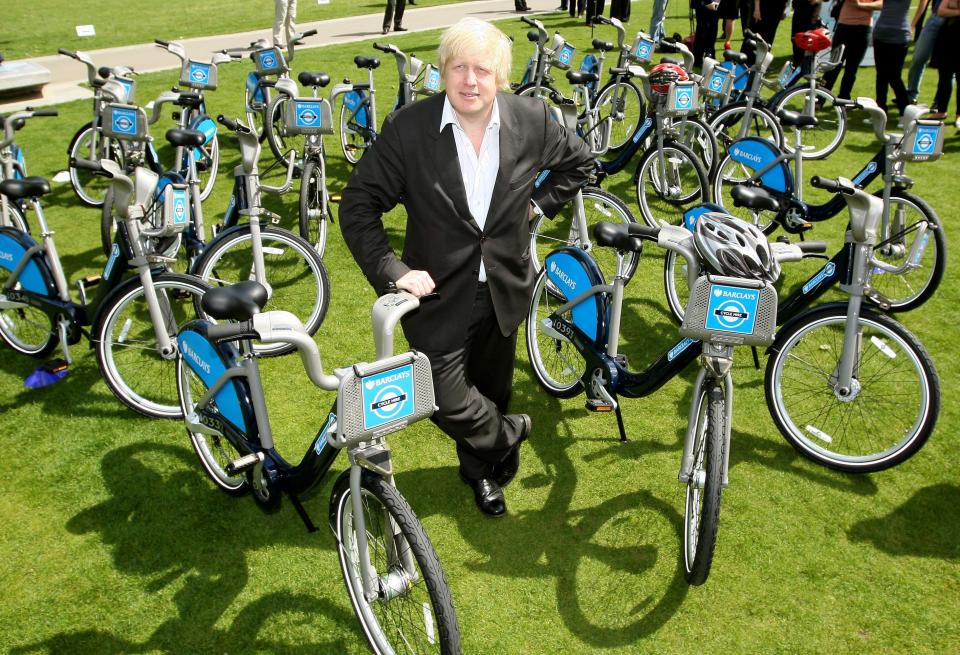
<point>656,20</point>
<point>922,50</point>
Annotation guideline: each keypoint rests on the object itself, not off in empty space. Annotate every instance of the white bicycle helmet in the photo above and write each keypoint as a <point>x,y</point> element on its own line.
<point>735,248</point>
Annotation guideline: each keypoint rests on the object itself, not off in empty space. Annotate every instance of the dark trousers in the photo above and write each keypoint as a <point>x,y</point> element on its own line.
<point>576,7</point>
<point>620,9</point>
<point>889,58</point>
<point>397,18</point>
<point>705,37</point>
<point>805,16</point>
<point>948,71</point>
<point>771,13</point>
<point>594,8</point>
<point>472,386</point>
<point>855,38</point>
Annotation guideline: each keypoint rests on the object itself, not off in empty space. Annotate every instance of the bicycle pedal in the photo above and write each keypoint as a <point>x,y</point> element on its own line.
<point>244,463</point>
<point>595,405</point>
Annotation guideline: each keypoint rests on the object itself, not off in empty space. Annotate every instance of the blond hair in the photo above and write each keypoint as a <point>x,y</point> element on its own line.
<point>478,37</point>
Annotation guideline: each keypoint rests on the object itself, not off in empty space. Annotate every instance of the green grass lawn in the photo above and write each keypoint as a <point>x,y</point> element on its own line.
<point>114,542</point>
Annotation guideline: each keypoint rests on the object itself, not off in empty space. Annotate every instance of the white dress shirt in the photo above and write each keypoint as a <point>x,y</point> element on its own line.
<point>478,171</point>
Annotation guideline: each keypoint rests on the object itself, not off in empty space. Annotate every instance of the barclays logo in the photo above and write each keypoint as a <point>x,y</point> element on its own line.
<point>6,256</point>
<point>562,276</point>
<point>402,375</point>
<point>195,357</point>
<point>749,156</point>
<point>742,295</point>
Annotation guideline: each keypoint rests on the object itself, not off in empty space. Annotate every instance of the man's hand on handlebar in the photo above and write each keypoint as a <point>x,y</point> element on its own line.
<point>419,283</point>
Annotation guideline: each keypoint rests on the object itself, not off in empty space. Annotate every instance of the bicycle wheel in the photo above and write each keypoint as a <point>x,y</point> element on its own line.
<point>412,611</point>
<point>910,289</point>
<point>354,138</point>
<point>314,205</point>
<point>255,110</point>
<point>624,105</point>
<point>531,90</point>
<point>556,363</point>
<point>28,330</point>
<point>669,181</point>
<point>675,284</point>
<point>90,188</point>
<point>547,234</point>
<point>126,343</point>
<point>280,142</point>
<point>215,452</point>
<point>726,124</point>
<point>826,136</point>
<point>883,420</point>
<point>701,511</point>
<point>728,174</point>
<point>697,135</point>
<point>296,276</point>
<point>17,221</point>
<point>208,163</point>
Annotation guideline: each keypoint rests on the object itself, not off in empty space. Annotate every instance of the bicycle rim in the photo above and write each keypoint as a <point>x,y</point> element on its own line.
<point>701,512</point>
<point>669,181</point>
<point>557,364</point>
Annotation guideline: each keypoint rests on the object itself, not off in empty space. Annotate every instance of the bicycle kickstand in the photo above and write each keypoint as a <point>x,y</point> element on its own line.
<point>297,505</point>
<point>623,431</point>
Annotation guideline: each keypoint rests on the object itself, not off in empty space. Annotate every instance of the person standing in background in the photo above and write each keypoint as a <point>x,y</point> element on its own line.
<point>806,16</point>
<point>656,18</point>
<point>394,14</point>
<point>729,11</point>
<point>853,32</point>
<point>766,18</point>
<point>594,9</point>
<point>947,57</point>
<point>923,48</point>
<point>705,36</point>
<point>891,38</point>
<point>284,19</point>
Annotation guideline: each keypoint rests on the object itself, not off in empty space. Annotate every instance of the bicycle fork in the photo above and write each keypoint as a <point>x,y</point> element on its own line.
<point>716,362</point>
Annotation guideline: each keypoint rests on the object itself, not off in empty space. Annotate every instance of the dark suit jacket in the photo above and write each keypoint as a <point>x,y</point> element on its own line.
<point>413,162</point>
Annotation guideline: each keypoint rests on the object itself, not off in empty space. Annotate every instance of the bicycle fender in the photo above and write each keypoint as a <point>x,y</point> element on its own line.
<point>36,277</point>
<point>755,154</point>
<point>573,272</point>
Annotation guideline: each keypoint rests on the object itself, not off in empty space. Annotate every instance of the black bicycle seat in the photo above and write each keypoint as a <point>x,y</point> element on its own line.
<point>189,138</point>
<point>671,60</point>
<point>581,77</point>
<point>600,44</point>
<point>788,117</point>
<point>29,187</point>
<point>533,36</point>
<point>366,62</point>
<point>615,235</point>
<point>313,79</point>
<point>753,197</point>
<point>734,56</point>
<point>237,302</point>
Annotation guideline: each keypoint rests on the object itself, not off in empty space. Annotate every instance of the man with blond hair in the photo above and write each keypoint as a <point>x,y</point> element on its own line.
<point>464,163</point>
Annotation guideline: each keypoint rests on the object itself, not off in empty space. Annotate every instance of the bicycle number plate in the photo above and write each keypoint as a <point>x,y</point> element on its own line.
<point>565,56</point>
<point>383,397</point>
<point>732,311</point>
<point>642,50</point>
<point>198,75</point>
<point>308,116</point>
<point>125,122</point>
<point>269,61</point>
<point>923,141</point>
<point>431,80</point>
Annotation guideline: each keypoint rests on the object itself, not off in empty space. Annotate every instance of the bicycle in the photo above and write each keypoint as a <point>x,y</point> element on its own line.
<point>133,319</point>
<point>910,261</point>
<point>572,339</point>
<point>393,576</point>
<point>13,166</point>
<point>849,388</point>
<point>358,111</point>
<point>88,144</point>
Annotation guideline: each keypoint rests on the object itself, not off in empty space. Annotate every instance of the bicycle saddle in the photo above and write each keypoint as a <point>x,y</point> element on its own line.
<point>313,79</point>
<point>581,77</point>
<point>615,235</point>
<point>178,137</point>
<point>533,36</point>
<point>366,62</point>
<point>599,44</point>
<point>753,197</point>
<point>237,302</point>
<point>788,117</point>
<point>734,56</point>
<point>104,72</point>
<point>29,187</point>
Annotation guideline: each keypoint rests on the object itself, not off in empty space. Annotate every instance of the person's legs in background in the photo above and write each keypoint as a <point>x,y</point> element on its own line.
<point>922,51</point>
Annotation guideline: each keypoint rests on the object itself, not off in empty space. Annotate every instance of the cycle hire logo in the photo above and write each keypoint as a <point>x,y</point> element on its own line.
<point>199,73</point>
<point>124,121</point>
<point>433,79</point>
<point>826,272</point>
<point>387,396</point>
<point>684,98</point>
<point>308,114</point>
<point>268,60</point>
<point>867,170</point>
<point>180,208</point>
<point>642,50</point>
<point>732,309</point>
<point>718,79</point>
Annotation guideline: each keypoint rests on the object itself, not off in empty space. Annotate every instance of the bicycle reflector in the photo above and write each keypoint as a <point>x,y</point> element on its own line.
<point>812,40</point>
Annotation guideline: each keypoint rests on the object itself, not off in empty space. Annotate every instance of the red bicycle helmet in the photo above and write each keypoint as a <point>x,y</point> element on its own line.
<point>663,75</point>
<point>812,40</point>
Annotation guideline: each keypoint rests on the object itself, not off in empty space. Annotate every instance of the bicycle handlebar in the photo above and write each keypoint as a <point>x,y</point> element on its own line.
<point>162,42</point>
<point>643,230</point>
<point>835,185</point>
<point>13,122</point>
<point>230,123</point>
<point>232,331</point>
<point>384,48</point>
<point>813,247</point>
<point>89,165</point>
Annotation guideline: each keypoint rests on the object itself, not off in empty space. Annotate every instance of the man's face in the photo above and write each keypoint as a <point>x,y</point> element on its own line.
<point>471,85</point>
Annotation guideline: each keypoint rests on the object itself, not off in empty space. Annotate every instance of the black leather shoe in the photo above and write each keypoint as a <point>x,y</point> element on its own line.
<point>397,28</point>
<point>487,494</point>
<point>385,30</point>
<point>505,471</point>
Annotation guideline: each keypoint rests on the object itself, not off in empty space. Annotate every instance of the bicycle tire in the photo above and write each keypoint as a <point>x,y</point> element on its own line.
<point>207,166</point>
<point>556,363</point>
<point>725,124</point>
<point>215,452</point>
<point>125,342</point>
<point>626,115</point>
<point>529,90</point>
<point>675,284</point>
<point>688,183</point>
<point>546,234</point>
<point>353,137</point>
<point>314,205</point>
<point>28,330</point>
<point>275,128</point>
<point>17,220</point>
<point>88,187</point>
<point>697,135</point>
<point>414,611</point>
<point>831,128</point>
<point>701,512</point>
<point>893,411</point>
<point>288,260</point>
<point>909,290</point>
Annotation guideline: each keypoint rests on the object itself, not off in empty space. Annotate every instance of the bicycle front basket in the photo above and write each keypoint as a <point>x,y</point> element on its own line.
<point>642,50</point>
<point>716,79</point>
<point>198,75</point>
<point>308,116</point>
<point>683,99</point>
<point>172,213</point>
<point>125,122</point>
<point>731,310</point>
<point>382,397</point>
<point>431,81</point>
<point>269,61</point>
<point>923,141</point>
